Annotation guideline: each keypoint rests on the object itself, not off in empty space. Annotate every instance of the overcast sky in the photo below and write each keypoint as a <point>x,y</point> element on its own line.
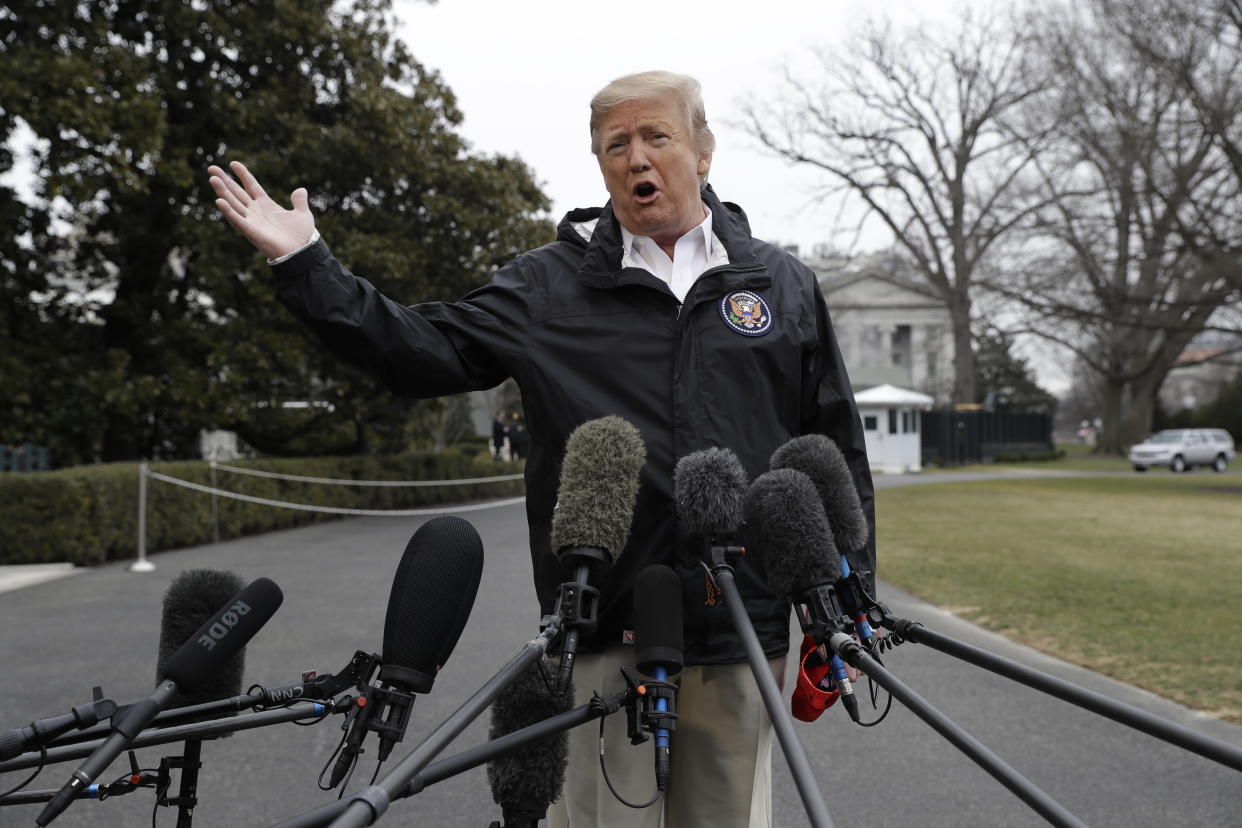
<point>525,72</point>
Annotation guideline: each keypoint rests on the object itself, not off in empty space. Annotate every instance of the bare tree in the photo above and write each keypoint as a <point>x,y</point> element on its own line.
<point>1143,202</point>
<point>917,127</point>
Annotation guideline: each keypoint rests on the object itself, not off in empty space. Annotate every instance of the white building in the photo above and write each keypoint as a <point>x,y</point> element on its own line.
<point>891,424</point>
<point>891,328</point>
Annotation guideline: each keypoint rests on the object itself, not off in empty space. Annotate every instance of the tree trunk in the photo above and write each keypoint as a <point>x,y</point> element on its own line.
<point>1139,412</point>
<point>964,380</point>
<point>1108,440</point>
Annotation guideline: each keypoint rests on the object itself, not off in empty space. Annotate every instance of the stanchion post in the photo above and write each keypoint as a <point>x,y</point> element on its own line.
<point>215,514</point>
<point>141,564</point>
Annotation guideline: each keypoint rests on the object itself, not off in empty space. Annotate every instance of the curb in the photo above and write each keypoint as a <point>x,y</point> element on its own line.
<point>23,575</point>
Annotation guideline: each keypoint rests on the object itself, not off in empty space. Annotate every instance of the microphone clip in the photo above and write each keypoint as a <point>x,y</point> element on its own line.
<point>822,612</point>
<point>723,555</point>
<point>653,719</point>
<point>579,607</point>
<point>641,714</point>
<point>357,673</point>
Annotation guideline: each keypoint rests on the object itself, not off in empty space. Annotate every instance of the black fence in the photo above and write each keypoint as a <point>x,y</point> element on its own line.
<point>951,438</point>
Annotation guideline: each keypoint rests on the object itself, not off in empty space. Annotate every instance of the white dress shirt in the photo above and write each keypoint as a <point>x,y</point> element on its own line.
<point>693,253</point>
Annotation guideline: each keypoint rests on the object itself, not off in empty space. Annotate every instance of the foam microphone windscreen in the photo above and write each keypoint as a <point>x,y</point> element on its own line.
<point>708,487</point>
<point>598,486</point>
<point>658,639</point>
<point>204,655</point>
<point>432,595</point>
<point>193,597</point>
<point>820,459</point>
<point>787,526</point>
<point>530,777</point>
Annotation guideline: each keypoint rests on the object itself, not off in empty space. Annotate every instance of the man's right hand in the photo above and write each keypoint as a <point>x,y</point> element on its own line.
<point>269,227</point>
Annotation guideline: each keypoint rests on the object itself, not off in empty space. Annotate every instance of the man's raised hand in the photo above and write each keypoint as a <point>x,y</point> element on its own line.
<point>269,227</point>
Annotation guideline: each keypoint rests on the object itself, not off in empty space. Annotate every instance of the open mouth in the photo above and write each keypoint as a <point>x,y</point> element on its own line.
<point>645,191</point>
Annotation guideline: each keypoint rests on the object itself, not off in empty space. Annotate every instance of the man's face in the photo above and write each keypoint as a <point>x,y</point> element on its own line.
<point>651,168</point>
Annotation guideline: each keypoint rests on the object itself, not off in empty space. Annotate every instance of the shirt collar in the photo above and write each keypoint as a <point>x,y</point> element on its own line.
<point>702,234</point>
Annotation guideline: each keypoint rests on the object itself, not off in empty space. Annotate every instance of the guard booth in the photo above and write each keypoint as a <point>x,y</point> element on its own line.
<point>892,425</point>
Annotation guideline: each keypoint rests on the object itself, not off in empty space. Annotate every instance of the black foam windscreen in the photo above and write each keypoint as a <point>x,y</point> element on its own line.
<point>598,486</point>
<point>432,595</point>
<point>203,656</point>
<point>532,776</point>
<point>787,526</point>
<point>819,458</point>
<point>658,634</point>
<point>193,597</point>
<point>708,487</point>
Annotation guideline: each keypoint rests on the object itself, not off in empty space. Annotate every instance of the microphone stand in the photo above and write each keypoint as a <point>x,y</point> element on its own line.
<point>126,784</point>
<point>849,650</point>
<point>165,735</point>
<point>795,755</point>
<point>189,762</point>
<point>356,673</point>
<point>370,803</point>
<point>1136,718</point>
<point>823,609</point>
<point>471,758</point>
<point>187,798</point>
<point>1133,717</point>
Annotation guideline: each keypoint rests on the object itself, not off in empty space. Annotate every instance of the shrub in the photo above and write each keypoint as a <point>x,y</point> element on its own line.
<point>89,514</point>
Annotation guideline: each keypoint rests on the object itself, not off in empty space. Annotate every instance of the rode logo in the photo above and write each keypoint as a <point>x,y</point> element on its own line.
<point>227,621</point>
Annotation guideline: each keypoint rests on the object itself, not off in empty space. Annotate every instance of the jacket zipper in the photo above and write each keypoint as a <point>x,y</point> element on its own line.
<point>730,268</point>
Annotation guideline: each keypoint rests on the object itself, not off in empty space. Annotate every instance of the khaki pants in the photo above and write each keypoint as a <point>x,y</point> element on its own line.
<point>721,751</point>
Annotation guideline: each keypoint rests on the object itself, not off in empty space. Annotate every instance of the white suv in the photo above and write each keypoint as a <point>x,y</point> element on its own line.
<point>1181,449</point>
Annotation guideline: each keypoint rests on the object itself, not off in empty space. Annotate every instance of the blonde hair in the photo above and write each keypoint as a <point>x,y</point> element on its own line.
<point>683,89</point>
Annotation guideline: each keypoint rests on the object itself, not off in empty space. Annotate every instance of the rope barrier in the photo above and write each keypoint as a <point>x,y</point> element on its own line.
<point>335,510</point>
<point>461,481</point>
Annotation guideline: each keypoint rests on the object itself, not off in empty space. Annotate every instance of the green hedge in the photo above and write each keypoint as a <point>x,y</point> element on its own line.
<point>89,514</point>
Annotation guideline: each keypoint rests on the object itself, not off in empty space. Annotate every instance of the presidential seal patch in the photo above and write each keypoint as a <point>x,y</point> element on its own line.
<point>746,312</point>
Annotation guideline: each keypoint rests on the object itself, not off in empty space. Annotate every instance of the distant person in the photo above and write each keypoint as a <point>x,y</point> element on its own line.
<point>659,307</point>
<point>518,438</point>
<point>499,431</point>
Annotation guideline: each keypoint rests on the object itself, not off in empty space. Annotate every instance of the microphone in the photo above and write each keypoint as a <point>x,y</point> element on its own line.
<point>782,507</point>
<point>190,600</point>
<point>40,732</point>
<point>821,460</point>
<point>432,595</point>
<point>591,522</point>
<point>783,511</point>
<point>818,458</point>
<point>658,639</point>
<point>205,653</point>
<point>524,784</point>
<point>709,487</point>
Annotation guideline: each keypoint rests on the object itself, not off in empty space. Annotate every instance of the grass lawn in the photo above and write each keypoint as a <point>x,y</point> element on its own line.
<point>1136,577</point>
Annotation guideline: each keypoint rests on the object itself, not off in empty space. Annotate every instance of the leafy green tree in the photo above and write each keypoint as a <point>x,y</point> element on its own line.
<point>161,321</point>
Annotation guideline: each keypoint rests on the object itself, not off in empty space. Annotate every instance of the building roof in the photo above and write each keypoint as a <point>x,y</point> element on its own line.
<point>892,395</point>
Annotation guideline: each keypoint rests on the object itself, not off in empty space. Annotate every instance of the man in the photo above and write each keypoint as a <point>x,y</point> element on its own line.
<point>660,308</point>
<point>499,431</point>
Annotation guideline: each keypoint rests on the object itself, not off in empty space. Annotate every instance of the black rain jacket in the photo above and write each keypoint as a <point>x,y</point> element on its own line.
<point>584,338</point>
